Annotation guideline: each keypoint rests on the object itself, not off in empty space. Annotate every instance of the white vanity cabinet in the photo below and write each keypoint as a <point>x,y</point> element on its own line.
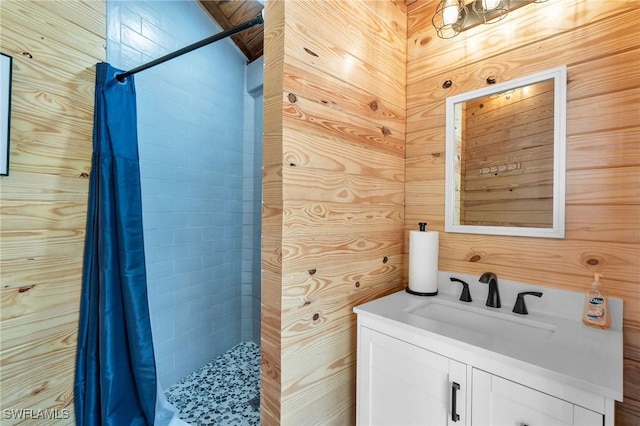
<point>403,384</point>
<point>440,361</point>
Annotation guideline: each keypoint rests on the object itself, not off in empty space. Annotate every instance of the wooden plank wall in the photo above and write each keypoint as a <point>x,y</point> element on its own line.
<point>599,41</point>
<point>272,215</point>
<point>55,45</point>
<point>333,195</point>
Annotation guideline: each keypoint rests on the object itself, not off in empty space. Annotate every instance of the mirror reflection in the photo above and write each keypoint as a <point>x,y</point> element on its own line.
<point>505,153</point>
<point>505,158</point>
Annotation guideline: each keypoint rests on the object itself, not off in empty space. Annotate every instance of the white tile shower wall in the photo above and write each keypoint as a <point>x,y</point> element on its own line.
<point>190,131</point>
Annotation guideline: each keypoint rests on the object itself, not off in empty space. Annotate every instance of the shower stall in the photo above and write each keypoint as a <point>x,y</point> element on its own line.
<point>200,139</point>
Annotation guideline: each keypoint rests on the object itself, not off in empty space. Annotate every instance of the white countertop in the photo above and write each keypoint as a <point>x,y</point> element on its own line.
<point>584,357</point>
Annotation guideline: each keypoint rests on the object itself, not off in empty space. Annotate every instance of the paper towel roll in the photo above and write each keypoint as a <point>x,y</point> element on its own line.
<point>423,262</point>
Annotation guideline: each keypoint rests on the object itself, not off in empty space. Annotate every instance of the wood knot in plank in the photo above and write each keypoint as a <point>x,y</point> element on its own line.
<point>373,105</point>
<point>306,303</point>
<point>425,41</point>
<point>385,131</point>
<point>84,175</point>
<point>25,288</point>
<point>292,98</point>
<point>269,368</point>
<point>316,317</point>
<point>40,389</point>
<point>593,260</point>
<point>357,283</point>
<point>312,271</point>
<point>311,52</point>
<point>385,259</point>
<point>447,84</point>
<point>27,54</point>
<point>475,258</point>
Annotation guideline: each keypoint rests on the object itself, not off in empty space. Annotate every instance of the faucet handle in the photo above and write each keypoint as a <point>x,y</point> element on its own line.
<point>520,307</point>
<point>466,295</point>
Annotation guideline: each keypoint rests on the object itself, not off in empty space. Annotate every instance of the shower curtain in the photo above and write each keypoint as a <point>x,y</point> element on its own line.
<point>115,381</point>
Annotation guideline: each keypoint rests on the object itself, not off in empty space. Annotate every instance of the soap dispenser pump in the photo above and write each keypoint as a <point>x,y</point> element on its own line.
<point>596,309</point>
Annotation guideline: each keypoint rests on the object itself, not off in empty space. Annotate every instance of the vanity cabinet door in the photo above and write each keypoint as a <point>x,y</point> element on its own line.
<point>497,401</point>
<point>403,384</point>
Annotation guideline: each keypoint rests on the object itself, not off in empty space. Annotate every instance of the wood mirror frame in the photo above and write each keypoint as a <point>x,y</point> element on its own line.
<point>507,176</point>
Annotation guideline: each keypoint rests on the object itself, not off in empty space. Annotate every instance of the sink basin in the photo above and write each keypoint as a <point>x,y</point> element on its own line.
<point>483,321</point>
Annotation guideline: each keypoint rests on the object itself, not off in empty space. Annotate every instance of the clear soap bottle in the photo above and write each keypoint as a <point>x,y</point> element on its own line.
<point>596,310</point>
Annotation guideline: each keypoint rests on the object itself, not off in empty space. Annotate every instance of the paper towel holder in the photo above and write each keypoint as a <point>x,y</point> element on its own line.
<point>422,227</point>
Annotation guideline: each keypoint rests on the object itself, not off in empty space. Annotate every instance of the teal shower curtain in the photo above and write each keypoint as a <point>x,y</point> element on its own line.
<point>115,381</point>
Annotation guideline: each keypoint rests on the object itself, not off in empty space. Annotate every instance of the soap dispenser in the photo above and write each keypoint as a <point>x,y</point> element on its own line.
<point>596,309</point>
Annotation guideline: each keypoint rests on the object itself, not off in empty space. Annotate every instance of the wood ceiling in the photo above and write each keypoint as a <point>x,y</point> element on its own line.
<point>230,13</point>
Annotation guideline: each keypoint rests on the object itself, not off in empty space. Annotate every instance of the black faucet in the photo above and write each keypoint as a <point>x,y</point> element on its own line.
<point>493,299</point>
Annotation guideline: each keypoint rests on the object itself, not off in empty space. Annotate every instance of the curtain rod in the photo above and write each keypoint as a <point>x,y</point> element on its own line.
<point>224,34</point>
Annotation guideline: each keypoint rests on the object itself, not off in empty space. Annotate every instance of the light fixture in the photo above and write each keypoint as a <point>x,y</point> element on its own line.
<point>449,17</point>
<point>454,16</point>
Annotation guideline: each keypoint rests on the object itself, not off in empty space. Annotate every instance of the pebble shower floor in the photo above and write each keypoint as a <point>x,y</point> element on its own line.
<point>225,391</point>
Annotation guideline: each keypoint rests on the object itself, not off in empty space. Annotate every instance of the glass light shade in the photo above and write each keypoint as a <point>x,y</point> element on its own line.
<point>490,11</point>
<point>490,4</point>
<point>450,13</point>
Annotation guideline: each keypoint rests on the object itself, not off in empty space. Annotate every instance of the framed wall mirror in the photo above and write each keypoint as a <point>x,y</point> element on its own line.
<point>505,158</point>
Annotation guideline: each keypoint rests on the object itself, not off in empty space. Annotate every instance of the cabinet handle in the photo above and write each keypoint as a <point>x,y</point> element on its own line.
<point>454,388</point>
